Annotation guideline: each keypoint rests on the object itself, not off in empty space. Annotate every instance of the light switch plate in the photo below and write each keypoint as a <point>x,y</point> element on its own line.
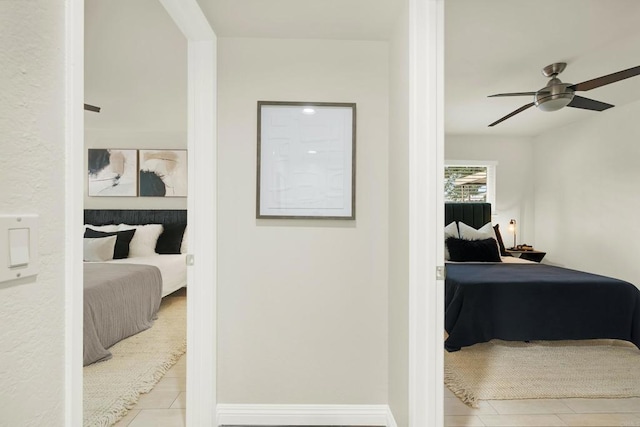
<point>18,246</point>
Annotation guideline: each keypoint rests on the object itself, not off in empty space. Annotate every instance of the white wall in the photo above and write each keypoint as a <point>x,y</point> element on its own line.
<point>399,220</point>
<point>302,304</point>
<point>32,137</point>
<point>586,194</point>
<point>514,179</point>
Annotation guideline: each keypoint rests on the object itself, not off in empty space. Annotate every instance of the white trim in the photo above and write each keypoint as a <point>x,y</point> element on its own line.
<point>305,415</point>
<point>190,20</point>
<point>426,170</point>
<point>73,194</point>
<point>391,421</point>
<point>202,210</point>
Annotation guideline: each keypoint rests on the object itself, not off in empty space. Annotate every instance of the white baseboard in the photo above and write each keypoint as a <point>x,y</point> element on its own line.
<point>304,415</point>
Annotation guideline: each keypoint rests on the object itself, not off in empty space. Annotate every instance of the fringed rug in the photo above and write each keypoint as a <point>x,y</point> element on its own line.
<point>500,370</point>
<point>112,387</point>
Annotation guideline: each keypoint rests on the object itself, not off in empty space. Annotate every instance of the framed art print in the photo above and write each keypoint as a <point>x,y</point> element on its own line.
<point>112,173</point>
<point>163,173</point>
<point>306,160</point>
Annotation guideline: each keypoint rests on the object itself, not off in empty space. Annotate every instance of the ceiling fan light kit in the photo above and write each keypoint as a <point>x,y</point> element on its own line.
<point>557,95</point>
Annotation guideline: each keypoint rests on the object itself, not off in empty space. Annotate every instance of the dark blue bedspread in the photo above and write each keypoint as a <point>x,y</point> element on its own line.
<point>523,302</point>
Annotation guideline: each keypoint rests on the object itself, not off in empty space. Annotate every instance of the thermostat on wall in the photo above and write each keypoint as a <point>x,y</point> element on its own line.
<point>18,246</point>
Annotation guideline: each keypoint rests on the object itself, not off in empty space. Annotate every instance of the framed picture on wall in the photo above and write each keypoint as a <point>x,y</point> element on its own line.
<point>306,160</point>
<point>112,172</point>
<point>163,173</point>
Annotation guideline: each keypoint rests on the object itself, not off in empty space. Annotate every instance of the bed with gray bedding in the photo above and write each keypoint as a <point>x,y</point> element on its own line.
<point>120,300</point>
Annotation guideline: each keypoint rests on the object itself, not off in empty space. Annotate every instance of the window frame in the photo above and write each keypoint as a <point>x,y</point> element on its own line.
<point>491,175</point>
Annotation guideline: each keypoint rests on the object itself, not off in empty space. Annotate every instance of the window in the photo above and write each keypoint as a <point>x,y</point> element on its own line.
<point>470,181</point>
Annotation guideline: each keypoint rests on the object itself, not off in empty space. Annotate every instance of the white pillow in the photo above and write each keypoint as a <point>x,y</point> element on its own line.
<point>485,232</point>
<point>99,249</point>
<point>144,240</point>
<point>450,230</point>
<point>103,228</point>
<point>184,247</point>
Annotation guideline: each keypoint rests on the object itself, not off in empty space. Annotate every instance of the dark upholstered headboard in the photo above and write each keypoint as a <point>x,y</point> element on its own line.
<point>474,214</point>
<point>134,216</point>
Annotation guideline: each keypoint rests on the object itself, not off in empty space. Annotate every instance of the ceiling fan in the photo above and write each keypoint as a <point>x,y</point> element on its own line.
<point>556,95</point>
<point>93,108</point>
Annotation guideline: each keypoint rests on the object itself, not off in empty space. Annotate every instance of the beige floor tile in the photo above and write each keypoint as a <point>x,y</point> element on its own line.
<point>589,406</point>
<point>176,373</point>
<point>160,418</point>
<point>181,401</point>
<point>455,406</point>
<point>157,399</point>
<point>179,368</point>
<point>609,420</point>
<point>537,420</point>
<point>530,406</point>
<point>171,384</point>
<point>448,393</point>
<point>124,422</point>
<point>462,421</point>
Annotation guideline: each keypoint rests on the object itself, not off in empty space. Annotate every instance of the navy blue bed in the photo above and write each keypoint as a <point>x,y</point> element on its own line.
<point>526,302</point>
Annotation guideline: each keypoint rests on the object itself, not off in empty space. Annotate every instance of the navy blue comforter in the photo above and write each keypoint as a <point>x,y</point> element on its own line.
<point>523,302</point>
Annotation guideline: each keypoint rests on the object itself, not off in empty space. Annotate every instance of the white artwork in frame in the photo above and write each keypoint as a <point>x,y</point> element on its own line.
<point>306,160</point>
<point>112,172</point>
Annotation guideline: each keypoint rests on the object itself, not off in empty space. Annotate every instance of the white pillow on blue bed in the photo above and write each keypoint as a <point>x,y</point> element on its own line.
<point>99,249</point>
<point>144,240</point>
<point>485,232</point>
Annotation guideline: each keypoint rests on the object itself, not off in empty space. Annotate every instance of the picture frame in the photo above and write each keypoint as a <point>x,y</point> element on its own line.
<point>162,173</point>
<point>112,172</point>
<point>306,160</point>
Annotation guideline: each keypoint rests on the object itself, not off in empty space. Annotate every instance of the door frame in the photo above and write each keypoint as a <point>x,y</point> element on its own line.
<point>426,212</point>
<point>201,204</point>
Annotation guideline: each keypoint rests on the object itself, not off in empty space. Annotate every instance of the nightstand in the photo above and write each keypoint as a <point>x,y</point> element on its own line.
<point>535,256</point>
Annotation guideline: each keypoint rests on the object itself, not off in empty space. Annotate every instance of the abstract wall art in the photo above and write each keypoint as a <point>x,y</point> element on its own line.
<point>112,172</point>
<point>163,173</point>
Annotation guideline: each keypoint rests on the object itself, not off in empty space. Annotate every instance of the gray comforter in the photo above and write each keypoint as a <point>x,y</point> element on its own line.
<point>120,300</point>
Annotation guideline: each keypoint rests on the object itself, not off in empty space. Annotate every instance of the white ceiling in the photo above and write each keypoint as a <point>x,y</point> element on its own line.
<point>491,46</point>
<point>303,19</point>
<point>497,46</point>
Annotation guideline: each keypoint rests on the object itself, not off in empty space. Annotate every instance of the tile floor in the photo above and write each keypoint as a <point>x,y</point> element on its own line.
<point>165,406</point>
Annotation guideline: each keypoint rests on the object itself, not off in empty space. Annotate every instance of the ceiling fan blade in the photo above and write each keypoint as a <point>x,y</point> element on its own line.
<point>588,104</point>
<point>519,110</point>
<point>605,80</point>
<point>91,108</point>
<point>513,94</point>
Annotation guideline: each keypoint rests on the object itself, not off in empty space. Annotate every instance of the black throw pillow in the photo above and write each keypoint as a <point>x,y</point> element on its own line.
<point>170,240</point>
<point>123,239</point>
<point>462,250</point>
<point>503,251</point>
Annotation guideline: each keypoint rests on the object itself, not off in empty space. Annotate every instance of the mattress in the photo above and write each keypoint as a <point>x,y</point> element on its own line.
<point>173,269</point>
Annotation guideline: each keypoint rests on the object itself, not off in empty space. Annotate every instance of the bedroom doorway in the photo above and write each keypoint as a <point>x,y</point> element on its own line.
<point>201,130</point>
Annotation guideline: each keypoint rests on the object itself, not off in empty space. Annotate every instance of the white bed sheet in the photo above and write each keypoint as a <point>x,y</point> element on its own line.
<point>173,269</point>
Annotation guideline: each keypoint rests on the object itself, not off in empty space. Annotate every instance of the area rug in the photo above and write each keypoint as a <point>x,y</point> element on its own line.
<point>112,387</point>
<point>500,370</point>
